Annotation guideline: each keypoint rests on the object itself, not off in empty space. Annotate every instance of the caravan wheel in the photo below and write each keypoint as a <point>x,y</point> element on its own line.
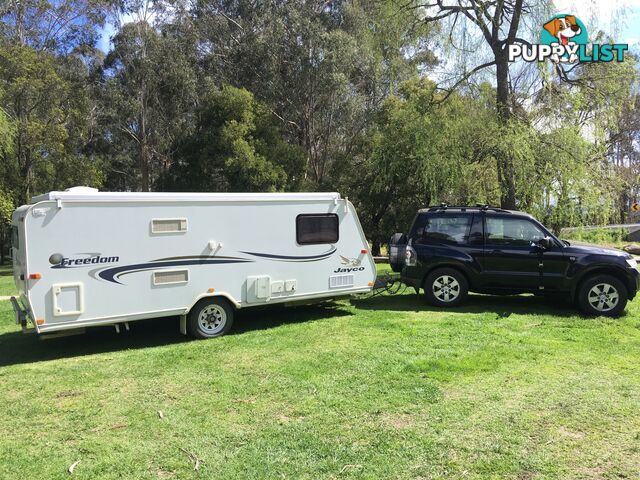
<point>211,317</point>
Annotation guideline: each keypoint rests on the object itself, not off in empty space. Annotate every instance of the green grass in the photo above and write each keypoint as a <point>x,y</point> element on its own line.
<point>7,287</point>
<point>609,237</point>
<point>378,388</point>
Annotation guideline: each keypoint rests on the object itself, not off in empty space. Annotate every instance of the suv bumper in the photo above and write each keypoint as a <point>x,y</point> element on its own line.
<point>634,283</point>
<point>412,276</point>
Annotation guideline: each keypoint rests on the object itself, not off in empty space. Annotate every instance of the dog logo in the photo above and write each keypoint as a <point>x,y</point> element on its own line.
<point>351,262</point>
<point>566,31</point>
<point>564,40</point>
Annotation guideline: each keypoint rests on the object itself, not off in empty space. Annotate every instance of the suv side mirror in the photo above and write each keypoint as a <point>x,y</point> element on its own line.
<point>545,243</point>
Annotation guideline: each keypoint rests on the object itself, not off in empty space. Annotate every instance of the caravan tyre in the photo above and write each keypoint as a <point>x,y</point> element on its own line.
<point>210,318</point>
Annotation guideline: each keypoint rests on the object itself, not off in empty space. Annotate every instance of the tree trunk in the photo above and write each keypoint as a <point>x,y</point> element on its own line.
<point>375,247</point>
<point>143,156</point>
<point>505,164</point>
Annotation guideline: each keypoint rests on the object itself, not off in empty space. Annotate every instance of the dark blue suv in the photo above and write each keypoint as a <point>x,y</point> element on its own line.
<point>450,251</point>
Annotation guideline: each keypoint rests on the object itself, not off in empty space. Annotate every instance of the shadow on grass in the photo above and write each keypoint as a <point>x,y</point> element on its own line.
<point>502,306</point>
<point>17,347</point>
<point>6,270</point>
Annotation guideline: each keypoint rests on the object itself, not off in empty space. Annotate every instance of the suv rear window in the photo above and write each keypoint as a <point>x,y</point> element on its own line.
<point>449,229</point>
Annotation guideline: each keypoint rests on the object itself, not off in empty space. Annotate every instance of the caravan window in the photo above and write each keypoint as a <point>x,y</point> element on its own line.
<point>317,228</point>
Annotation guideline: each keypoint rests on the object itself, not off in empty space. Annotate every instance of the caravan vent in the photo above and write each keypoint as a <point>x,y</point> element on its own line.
<point>163,277</point>
<point>339,281</point>
<point>168,225</point>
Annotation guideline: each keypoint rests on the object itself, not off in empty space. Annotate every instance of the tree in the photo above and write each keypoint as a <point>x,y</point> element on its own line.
<point>48,111</point>
<point>61,26</point>
<point>149,86</point>
<point>323,68</point>
<point>498,23</point>
<point>234,147</point>
<point>424,151</point>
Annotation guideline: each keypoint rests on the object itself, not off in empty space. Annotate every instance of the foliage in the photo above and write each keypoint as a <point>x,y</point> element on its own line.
<point>60,26</point>
<point>235,147</point>
<point>48,107</point>
<point>598,236</point>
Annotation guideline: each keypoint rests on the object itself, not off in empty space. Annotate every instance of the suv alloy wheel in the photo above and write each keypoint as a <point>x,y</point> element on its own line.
<point>602,295</point>
<point>446,287</point>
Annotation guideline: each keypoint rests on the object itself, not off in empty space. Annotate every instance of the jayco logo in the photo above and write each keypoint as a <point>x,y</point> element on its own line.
<point>564,39</point>
<point>347,270</point>
<point>351,265</point>
<point>57,260</point>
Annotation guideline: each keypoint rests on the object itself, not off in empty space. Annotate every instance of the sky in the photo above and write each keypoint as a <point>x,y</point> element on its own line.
<point>621,18</point>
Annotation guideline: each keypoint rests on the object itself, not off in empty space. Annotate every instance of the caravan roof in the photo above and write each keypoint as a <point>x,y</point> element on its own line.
<point>93,195</point>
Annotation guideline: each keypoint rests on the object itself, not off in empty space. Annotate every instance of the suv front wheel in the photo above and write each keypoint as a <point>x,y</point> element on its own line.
<point>602,295</point>
<point>446,287</point>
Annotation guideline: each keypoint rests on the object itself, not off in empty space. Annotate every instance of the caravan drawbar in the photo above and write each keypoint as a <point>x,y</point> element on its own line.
<point>84,258</point>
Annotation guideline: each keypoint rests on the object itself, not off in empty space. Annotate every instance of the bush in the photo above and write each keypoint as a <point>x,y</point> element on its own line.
<point>597,235</point>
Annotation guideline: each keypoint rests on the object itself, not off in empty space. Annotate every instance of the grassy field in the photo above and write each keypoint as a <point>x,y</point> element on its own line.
<point>375,388</point>
<point>7,287</point>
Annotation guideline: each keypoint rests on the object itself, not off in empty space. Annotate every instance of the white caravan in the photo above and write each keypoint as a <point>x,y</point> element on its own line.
<point>83,258</point>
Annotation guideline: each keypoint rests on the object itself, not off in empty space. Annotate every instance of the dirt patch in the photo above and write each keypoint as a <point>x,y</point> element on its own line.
<point>399,421</point>
<point>565,432</point>
<point>68,394</point>
<point>160,473</point>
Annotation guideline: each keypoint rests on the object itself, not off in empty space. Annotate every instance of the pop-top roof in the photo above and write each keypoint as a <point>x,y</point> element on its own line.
<point>89,194</point>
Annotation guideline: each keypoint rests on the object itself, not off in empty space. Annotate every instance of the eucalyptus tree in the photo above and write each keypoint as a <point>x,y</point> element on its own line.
<point>60,26</point>
<point>234,146</point>
<point>47,106</point>
<point>322,67</point>
<point>149,87</point>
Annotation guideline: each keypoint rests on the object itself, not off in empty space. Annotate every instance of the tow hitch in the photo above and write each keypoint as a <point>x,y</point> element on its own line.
<point>388,284</point>
<point>21,316</point>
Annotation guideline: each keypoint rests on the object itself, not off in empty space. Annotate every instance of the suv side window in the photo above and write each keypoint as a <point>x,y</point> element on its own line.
<point>476,234</point>
<point>516,232</point>
<point>447,229</point>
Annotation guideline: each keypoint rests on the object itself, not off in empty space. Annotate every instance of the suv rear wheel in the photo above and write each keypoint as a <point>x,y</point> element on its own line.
<point>446,287</point>
<point>602,295</point>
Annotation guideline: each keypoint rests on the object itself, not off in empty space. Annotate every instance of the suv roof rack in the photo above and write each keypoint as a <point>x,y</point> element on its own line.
<point>480,206</point>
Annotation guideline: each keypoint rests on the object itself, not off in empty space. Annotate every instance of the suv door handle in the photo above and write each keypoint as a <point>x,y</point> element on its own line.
<point>496,251</point>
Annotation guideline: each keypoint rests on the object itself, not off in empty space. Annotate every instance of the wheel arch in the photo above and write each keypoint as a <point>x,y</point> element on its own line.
<point>601,270</point>
<point>452,266</point>
<point>234,303</point>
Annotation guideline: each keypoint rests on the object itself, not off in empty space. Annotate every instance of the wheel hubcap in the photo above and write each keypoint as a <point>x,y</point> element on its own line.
<point>603,297</point>
<point>212,319</point>
<point>446,288</point>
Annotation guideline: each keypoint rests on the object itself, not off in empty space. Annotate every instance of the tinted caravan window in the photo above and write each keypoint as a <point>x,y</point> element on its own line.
<point>317,228</point>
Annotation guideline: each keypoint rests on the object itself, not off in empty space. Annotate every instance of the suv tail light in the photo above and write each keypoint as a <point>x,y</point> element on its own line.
<point>410,256</point>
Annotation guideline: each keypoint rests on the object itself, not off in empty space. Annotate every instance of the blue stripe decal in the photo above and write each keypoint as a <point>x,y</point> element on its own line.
<point>322,256</point>
<point>112,274</point>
